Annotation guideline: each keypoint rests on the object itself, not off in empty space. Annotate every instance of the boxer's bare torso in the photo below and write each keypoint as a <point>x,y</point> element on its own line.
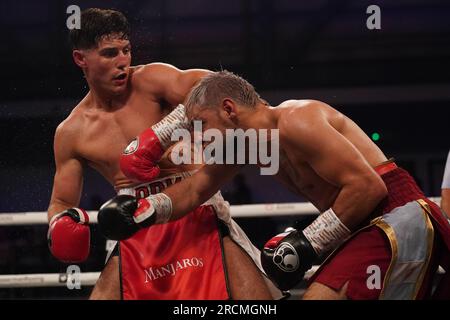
<point>99,136</point>
<point>95,135</point>
<point>324,157</point>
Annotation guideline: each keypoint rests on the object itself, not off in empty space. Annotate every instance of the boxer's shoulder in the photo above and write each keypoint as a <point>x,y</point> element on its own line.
<point>152,75</point>
<point>65,140</point>
<point>68,130</point>
<point>293,107</point>
<point>299,114</point>
<point>69,124</point>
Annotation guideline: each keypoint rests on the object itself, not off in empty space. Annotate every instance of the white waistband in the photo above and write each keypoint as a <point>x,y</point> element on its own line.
<point>154,186</point>
<point>221,206</point>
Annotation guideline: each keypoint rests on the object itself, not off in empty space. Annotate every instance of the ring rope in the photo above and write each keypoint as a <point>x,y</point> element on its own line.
<point>63,279</point>
<point>237,211</point>
<point>85,278</point>
<point>90,278</point>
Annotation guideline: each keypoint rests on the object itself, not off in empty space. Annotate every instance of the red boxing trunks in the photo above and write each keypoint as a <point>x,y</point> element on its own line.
<point>183,259</point>
<point>397,253</point>
<point>178,260</point>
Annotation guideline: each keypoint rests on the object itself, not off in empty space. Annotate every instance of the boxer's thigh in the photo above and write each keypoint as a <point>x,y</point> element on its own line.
<point>245,280</point>
<point>108,284</point>
<point>318,291</point>
<point>346,275</point>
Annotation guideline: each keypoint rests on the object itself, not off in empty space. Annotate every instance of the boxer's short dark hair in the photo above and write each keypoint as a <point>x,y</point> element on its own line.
<point>215,87</point>
<point>96,24</point>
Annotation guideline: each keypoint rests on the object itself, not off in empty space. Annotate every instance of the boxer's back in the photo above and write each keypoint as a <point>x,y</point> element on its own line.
<point>301,116</point>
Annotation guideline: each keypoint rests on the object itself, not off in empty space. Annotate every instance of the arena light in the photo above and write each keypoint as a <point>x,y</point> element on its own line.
<point>376,136</point>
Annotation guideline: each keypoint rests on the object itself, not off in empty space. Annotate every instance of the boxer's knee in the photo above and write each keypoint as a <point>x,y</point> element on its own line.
<point>318,291</point>
<point>245,280</point>
<point>108,284</point>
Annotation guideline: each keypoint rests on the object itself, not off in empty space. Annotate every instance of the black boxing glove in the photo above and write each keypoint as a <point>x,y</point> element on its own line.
<point>286,257</point>
<point>124,215</point>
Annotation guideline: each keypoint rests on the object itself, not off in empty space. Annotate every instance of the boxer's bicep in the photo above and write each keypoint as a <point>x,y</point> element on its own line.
<point>330,154</point>
<point>336,160</point>
<point>183,82</point>
<point>195,190</point>
<point>68,179</point>
<point>67,184</point>
<point>170,83</point>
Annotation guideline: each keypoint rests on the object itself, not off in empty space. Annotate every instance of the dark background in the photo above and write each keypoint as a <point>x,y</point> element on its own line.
<point>394,81</point>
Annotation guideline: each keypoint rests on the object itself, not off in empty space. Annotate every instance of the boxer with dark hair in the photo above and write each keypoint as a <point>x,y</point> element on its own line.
<point>190,259</point>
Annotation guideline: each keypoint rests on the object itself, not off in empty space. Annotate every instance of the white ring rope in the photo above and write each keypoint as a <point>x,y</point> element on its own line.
<point>90,278</point>
<point>237,211</point>
<point>63,279</point>
<point>47,279</point>
<point>85,278</point>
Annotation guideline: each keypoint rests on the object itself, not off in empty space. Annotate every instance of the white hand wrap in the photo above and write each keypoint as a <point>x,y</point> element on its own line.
<point>175,120</point>
<point>162,204</point>
<point>326,232</point>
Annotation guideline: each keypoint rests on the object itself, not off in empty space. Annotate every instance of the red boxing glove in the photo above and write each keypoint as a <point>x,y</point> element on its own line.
<point>69,235</point>
<point>139,159</point>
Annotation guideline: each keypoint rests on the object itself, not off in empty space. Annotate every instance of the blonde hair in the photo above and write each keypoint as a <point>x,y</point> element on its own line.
<point>213,88</point>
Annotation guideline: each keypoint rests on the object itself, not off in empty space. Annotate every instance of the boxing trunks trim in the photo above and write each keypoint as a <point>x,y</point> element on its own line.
<point>401,242</point>
<point>406,271</point>
<point>385,167</point>
<point>410,259</point>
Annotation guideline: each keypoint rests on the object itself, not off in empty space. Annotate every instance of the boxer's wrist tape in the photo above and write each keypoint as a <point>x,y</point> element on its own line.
<point>54,217</point>
<point>175,120</point>
<point>83,216</point>
<point>326,232</point>
<point>163,207</point>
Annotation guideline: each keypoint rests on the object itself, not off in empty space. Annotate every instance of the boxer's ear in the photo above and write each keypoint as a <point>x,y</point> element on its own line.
<point>230,108</point>
<point>79,58</point>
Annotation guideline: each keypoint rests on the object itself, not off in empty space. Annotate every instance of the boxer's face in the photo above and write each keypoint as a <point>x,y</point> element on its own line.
<point>212,118</point>
<point>107,65</point>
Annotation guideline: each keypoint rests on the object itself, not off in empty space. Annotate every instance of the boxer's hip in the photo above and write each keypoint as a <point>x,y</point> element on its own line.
<point>400,242</point>
<point>403,190</point>
<point>400,185</point>
<point>391,258</point>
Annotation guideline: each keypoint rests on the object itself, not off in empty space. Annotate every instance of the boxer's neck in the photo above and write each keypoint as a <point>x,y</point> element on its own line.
<point>262,117</point>
<point>102,99</point>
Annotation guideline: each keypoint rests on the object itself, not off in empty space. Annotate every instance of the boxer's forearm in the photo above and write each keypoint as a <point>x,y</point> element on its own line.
<point>54,209</point>
<point>57,207</point>
<point>445,201</point>
<point>186,198</point>
<point>197,189</point>
<point>355,202</point>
